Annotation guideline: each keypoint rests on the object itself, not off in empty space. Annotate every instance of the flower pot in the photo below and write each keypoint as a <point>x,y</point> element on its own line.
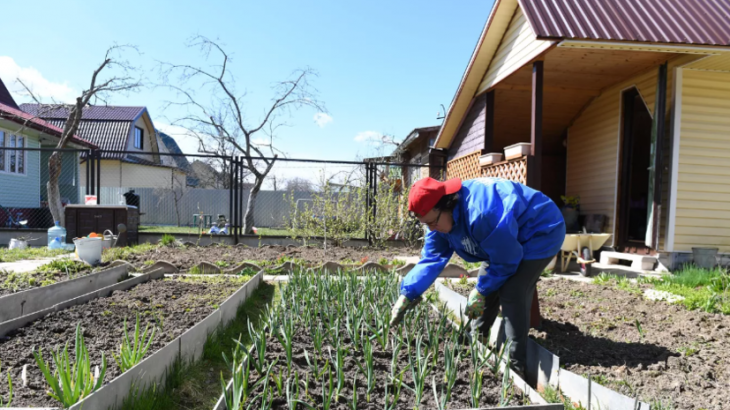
<point>491,158</point>
<point>705,258</point>
<point>517,150</point>
<point>570,215</point>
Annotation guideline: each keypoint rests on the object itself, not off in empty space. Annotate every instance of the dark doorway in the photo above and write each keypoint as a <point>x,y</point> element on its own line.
<point>634,178</point>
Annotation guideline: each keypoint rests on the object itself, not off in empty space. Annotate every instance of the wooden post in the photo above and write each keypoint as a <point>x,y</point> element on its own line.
<point>536,123</point>
<point>535,169</point>
<point>489,124</point>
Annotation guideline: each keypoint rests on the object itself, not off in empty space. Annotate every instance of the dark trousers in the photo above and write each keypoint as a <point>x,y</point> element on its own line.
<point>515,298</point>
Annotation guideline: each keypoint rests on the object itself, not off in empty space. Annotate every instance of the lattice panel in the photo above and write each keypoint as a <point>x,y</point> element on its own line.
<point>513,170</point>
<point>464,167</point>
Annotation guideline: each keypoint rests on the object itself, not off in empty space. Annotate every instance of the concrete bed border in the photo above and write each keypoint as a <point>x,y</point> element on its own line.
<point>516,380</point>
<point>543,367</point>
<point>153,369</point>
<point>29,301</point>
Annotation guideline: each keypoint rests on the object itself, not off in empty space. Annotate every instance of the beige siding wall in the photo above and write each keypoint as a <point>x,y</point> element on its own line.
<point>703,191</point>
<point>519,45</point>
<point>150,140</point>
<point>593,147</point>
<point>119,174</point>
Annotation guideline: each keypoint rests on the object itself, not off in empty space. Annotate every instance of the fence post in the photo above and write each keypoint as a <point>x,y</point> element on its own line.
<point>88,172</point>
<point>230,197</point>
<point>240,197</point>
<point>98,177</point>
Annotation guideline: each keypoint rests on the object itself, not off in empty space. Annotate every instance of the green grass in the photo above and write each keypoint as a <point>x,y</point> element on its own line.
<point>189,385</point>
<point>195,231</point>
<point>693,277</point>
<point>14,255</point>
<point>113,254</point>
<point>553,395</point>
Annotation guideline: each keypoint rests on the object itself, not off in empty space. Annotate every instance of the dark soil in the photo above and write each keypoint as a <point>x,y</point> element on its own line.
<point>460,396</point>
<point>683,355</point>
<point>176,304</point>
<point>186,257</point>
<point>11,282</point>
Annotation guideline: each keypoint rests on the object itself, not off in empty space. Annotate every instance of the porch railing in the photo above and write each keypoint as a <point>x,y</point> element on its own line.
<point>467,167</point>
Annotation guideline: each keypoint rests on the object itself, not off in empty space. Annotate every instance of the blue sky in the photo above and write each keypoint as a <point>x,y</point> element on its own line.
<point>384,67</point>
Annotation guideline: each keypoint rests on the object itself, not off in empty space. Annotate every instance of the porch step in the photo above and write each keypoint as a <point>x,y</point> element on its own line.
<point>642,262</point>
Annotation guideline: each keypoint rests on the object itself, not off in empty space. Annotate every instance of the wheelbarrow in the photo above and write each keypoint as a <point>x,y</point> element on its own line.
<point>580,246</point>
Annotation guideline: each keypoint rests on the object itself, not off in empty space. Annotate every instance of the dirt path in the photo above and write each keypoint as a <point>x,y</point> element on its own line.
<point>682,355</point>
<point>176,304</point>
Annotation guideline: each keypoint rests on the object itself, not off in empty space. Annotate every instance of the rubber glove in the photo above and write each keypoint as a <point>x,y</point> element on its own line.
<point>400,308</point>
<point>475,304</point>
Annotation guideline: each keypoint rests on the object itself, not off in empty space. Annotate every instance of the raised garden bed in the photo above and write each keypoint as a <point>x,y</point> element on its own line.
<point>171,305</point>
<point>660,352</point>
<point>184,258</point>
<point>48,274</point>
<point>329,326</point>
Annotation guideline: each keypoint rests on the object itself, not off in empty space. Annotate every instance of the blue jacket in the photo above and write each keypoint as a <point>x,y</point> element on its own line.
<point>496,221</point>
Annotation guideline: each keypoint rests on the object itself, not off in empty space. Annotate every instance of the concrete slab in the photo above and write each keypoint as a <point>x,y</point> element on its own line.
<point>29,265</point>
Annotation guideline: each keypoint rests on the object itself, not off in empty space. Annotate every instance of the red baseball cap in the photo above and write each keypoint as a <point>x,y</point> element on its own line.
<point>426,193</point>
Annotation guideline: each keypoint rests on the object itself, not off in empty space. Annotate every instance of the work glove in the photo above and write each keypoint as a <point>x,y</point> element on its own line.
<point>400,308</point>
<point>475,304</point>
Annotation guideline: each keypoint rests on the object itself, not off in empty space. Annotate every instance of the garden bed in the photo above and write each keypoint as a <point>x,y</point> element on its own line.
<point>224,256</point>
<point>53,272</point>
<point>657,351</point>
<point>170,305</point>
<point>357,311</point>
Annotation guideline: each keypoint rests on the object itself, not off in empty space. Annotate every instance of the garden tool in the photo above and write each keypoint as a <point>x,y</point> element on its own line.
<point>122,228</point>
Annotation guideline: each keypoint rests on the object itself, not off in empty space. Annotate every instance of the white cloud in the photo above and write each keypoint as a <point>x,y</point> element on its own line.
<point>45,90</point>
<point>188,143</point>
<point>260,141</point>
<point>369,137</point>
<point>322,119</point>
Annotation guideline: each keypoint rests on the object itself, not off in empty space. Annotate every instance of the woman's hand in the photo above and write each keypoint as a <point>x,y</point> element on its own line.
<point>475,304</point>
<point>400,308</point>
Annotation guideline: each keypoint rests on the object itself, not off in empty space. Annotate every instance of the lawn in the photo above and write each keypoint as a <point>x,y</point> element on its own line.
<point>196,231</point>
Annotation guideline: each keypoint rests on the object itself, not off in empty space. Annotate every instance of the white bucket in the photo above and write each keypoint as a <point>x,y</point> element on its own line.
<point>88,250</point>
<point>17,244</point>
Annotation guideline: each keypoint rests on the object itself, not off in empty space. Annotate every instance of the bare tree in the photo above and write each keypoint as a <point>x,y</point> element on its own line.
<point>221,122</point>
<point>177,190</point>
<point>100,88</point>
<point>298,184</point>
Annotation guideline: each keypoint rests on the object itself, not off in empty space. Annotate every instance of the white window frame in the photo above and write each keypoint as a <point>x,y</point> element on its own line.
<point>7,153</point>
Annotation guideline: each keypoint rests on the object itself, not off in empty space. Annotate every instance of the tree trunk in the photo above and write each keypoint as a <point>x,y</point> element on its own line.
<point>248,219</point>
<point>52,190</point>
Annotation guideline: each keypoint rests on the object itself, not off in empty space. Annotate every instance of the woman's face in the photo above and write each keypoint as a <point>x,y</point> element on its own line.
<point>439,221</point>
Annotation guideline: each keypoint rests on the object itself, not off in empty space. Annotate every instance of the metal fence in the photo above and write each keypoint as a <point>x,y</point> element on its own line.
<point>194,193</point>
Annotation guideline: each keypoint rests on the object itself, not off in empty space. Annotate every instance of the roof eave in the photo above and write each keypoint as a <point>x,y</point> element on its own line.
<point>502,12</point>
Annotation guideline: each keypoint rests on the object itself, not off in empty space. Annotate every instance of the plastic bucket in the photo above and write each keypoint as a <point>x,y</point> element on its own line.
<point>17,244</point>
<point>88,250</point>
<point>705,257</point>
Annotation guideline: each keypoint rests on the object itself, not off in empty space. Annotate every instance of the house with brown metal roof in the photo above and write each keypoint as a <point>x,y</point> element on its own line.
<point>129,144</point>
<point>23,171</point>
<point>624,104</point>
<point>416,150</point>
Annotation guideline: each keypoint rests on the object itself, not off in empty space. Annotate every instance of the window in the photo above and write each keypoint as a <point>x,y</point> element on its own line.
<point>11,160</point>
<point>431,142</point>
<point>138,138</point>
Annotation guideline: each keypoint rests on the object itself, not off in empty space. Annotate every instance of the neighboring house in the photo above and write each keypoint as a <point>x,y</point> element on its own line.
<point>23,173</point>
<point>115,128</point>
<point>586,84</point>
<point>416,150</point>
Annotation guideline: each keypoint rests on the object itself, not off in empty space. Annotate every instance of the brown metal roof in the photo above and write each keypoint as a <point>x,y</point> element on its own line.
<point>107,135</point>
<point>700,22</point>
<point>96,112</point>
